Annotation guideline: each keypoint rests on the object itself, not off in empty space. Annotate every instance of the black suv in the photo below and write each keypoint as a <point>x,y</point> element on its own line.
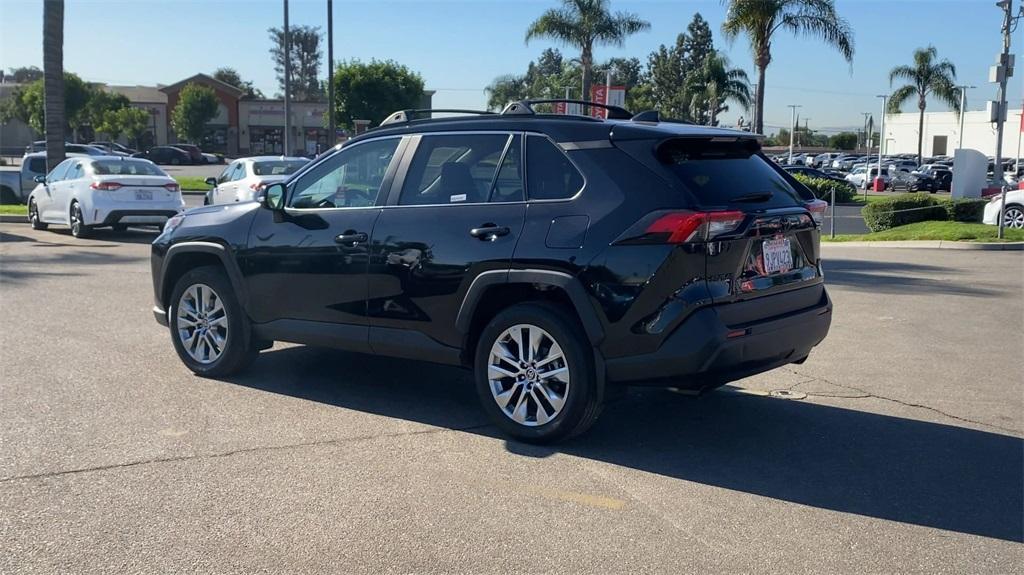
<point>554,255</point>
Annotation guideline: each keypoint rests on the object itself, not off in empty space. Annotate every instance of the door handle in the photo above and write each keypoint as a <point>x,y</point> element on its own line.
<point>489,232</point>
<point>351,238</point>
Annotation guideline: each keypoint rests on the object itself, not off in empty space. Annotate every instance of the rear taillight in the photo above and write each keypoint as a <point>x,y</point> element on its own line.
<point>817,209</point>
<point>172,187</point>
<point>682,226</point>
<point>106,186</point>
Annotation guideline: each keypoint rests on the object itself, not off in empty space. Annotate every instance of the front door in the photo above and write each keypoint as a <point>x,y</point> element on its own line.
<point>307,266</point>
<point>459,212</point>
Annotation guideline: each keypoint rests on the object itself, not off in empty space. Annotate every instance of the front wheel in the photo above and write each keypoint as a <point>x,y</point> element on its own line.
<point>535,374</point>
<point>209,328</point>
<point>33,216</point>
<point>1013,217</point>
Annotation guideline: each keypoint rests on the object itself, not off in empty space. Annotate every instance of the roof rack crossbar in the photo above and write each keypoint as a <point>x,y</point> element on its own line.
<point>403,116</point>
<point>525,107</point>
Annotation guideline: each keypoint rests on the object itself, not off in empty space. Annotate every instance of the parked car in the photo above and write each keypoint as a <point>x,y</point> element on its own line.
<point>114,147</point>
<point>824,160</point>
<point>913,182</point>
<point>245,178</point>
<point>672,255</point>
<point>89,192</point>
<point>1013,217</point>
<point>846,162</point>
<point>212,158</point>
<point>943,176</point>
<point>856,177</point>
<point>84,149</point>
<point>17,183</point>
<point>165,155</point>
<point>194,153</point>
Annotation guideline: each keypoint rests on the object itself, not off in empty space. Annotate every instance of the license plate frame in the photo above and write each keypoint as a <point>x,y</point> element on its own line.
<point>777,255</point>
<point>143,195</point>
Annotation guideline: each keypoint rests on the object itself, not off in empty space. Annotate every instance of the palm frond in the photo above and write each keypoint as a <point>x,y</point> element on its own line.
<point>556,24</point>
<point>902,73</point>
<point>901,96</point>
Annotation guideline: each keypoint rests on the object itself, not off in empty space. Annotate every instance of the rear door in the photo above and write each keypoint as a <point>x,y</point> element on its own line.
<point>458,213</point>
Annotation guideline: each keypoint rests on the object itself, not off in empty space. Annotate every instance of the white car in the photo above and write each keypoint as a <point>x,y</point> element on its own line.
<point>245,178</point>
<point>1014,215</point>
<point>96,191</point>
<point>856,177</point>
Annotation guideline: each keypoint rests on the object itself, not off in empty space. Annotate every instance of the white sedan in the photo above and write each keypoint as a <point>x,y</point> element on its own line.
<point>245,178</point>
<point>96,191</point>
<point>1013,217</point>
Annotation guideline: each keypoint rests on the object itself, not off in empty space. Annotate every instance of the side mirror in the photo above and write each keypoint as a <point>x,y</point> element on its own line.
<point>273,197</point>
<point>39,179</point>
<point>211,182</point>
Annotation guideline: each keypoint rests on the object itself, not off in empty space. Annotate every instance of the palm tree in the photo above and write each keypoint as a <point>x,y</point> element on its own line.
<point>53,80</point>
<point>582,24</point>
<point>713,85</point>
<point>927,77</point>
<point>761,19</point>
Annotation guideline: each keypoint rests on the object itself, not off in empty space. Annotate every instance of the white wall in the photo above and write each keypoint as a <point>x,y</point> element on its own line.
<point>979,134</point>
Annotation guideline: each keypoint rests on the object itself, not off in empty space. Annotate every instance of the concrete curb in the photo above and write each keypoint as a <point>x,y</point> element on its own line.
<point>934,245</point>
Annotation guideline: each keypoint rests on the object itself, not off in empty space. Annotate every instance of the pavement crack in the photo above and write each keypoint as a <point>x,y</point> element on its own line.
<point>233,452</point>
<point>865,394</point>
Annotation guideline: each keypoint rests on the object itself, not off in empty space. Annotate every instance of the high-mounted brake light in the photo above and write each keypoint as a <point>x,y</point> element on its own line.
<point>817,209</point>
<point>106,186</point>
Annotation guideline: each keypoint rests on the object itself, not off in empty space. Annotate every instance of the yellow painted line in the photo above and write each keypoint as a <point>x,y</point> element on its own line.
<point>581,498</point>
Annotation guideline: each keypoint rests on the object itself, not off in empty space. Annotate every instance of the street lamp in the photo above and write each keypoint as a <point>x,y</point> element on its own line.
<point>963,110</point>
<point>792,130</point>
<point>881,134</point>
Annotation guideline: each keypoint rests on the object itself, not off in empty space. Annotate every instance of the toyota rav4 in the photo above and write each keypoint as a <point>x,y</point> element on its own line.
<point>553,255</point>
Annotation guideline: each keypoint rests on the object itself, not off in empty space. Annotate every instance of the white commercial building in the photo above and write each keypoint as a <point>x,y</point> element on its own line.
<point>942,133</point>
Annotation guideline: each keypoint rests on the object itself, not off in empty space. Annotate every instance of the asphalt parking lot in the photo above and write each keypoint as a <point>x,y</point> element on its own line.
<point>899,450</point>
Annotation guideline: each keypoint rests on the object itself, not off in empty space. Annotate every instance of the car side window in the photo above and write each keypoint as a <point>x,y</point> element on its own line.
<point>239,172</point>
<point>58,173</point>
<point>74,172</point>
<point>549,173</point>
<point>457,168</point>
<point>350,178</point>
<point>225,176</point>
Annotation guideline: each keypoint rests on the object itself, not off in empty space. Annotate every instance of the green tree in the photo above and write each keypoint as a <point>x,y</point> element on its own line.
<point>843,141</point>
<point>53,81</point>
<point>231,77</point>
<point>666,80</point>
<point>28,104</point>
<point>761,19</point>
<point>506,89</point>
<point>99,107</point>
<point>134,123</point>
<point>583,24</point>
<point>197,105</point>
<point>306,56</point>
<point>372,91</point>
<point>23,75</point>
<point>712,85</point>
<point>697,44</point>
<point>927,77</point>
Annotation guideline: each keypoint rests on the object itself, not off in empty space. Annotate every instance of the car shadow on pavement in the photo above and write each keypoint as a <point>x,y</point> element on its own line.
<point>61,263</point>
<point>899,278</point>
<point>917,472</point>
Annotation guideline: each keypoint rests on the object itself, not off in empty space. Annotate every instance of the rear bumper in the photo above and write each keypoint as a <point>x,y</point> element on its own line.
<point>136,217</point>
<point>701,354</point>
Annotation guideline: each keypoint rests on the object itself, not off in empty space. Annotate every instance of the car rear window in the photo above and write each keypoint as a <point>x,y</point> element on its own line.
<point>37,165</point>
<point>126,168</point>
<point>728,173</point>
<point>277,167</point>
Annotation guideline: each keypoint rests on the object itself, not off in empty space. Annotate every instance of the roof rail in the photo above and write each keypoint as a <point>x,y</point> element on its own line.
<point>404,116</point>
<point>525,107</point>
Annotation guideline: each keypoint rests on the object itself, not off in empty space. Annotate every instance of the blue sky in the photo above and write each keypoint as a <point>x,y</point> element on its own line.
<point>459,46</point>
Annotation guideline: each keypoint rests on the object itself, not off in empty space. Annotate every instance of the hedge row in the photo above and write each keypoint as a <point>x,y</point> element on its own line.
<point>910,208</point>
<point>822,188</point>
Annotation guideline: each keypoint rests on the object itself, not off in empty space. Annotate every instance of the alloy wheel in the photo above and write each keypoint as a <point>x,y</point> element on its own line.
<point>528,375</point>
<point>202,323</point>
<point>76,220</point>
<point>1013,217</point>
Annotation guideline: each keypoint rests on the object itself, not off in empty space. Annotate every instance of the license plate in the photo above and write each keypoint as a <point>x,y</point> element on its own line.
<point>778,257</point>
<point>143,195</point>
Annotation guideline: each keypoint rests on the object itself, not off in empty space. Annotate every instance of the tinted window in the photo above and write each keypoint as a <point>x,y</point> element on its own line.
<point>74,172</point>
<point>717,173</point>
<point>508,186</point>
<point>37,165</point>
<point>225,176</point>
<point>277,167</point>
<point>549,173</point>
<point>239,173</point>
<point>350,178</point>
<point>450,169</point>
<point>126,167</point>
<point>59,172</point>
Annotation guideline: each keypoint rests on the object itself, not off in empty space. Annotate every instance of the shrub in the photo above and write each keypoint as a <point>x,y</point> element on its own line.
<point>822,188</point>
<point>965,209</point>
<point>901,210</point>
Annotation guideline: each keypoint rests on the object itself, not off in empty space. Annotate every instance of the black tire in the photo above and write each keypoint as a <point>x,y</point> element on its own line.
<point>33,217</point>
<point>239,349</point>
<point>78,227</point>
<point>582,397</point>
<point>119,227</point>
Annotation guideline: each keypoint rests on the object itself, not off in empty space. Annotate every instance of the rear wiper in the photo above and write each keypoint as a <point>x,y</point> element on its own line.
<point>754,197</point>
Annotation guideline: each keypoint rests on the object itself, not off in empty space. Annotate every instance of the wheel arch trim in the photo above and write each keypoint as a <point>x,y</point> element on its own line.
<point>222,253</point>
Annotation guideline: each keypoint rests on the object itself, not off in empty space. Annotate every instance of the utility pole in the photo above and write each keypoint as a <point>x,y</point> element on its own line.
<point>864,124</point>
<point>287,85</point>
<point>332,126</point>
<point>1003,71</point>
<point>792,130</point>
<point>963,110</point>
<point>753,114</point>
<point>881,136</point>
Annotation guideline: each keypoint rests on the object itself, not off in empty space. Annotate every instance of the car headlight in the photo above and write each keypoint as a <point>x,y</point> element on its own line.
<point>173,222</point>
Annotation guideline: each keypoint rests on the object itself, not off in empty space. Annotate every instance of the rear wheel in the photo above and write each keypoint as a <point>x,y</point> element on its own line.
<point>209,328</point>
<point>535,374</point>
<point>78,227</point>
<point>33,216</point>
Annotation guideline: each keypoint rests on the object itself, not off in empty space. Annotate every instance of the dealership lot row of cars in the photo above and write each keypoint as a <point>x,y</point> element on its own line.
<point>175,155</point>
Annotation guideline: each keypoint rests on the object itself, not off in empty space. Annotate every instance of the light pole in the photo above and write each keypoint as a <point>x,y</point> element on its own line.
<point>792,130</point>
<point>881,134</point>
<point>1009,22</point>
<point>287,85</point>
<point>332,126</point>
<point>963,110</point>
<point>864,124</point>
<point>753,115</point>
